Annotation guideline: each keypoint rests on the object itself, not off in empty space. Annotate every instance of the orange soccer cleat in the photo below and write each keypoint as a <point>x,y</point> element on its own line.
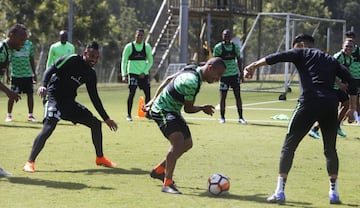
<point>104,162</point>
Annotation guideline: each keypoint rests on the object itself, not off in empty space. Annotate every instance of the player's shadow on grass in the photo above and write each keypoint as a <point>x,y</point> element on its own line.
<point>20,126</point>
<point>51,184</point>
<point>192,123</point>
<point>258,198</point>
<point>357,138</point>
<point>37,125</point>
<point>132,171</point>
<point>268,125</point>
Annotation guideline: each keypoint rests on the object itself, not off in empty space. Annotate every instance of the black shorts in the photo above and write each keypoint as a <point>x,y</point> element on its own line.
<point>22,85</point>
<point>231,81</point>
<point>342,95</point>
<point>135,81</point>
<point>357,82</point>
<point>69,111</point>
<point>170,122</point>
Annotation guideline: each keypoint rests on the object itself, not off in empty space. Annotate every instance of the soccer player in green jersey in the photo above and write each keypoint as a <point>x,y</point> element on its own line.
<point>355,69</point>
<point>22,67</point>
<point>16,38</point>
<point>233,75</point>
<point>136,63</point>
<point>176,91</point>
<point>60,48</point>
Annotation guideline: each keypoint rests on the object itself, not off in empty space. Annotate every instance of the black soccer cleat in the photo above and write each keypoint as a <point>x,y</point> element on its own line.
<point>155,175</point>
<point>160,176</point>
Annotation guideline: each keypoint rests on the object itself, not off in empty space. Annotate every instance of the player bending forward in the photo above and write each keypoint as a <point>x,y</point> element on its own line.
<point>60,83</point>
<point>175,92</point>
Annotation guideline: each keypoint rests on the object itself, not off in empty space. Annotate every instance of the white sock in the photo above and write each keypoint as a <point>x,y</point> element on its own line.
<point>333,186</point>
<point>8,114</point>
<point>280,185</point>
<point>30,114</point>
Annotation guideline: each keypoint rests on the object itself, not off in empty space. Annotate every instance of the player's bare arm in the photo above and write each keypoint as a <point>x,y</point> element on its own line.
<point>189,107</point>
<point>11,95</point>
<point>352,108</point>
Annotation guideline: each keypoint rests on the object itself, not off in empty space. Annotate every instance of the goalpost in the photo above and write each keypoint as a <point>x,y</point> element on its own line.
<point>173,68</point>
<point>273,32</point>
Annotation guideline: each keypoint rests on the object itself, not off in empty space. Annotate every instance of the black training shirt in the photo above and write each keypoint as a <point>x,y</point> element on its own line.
<point>317,71</point>
<point>64,77</point>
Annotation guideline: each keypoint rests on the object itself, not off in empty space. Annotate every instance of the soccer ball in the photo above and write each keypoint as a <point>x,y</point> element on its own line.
<point>218,184</point>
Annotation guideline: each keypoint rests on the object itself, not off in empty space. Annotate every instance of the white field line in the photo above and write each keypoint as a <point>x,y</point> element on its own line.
<point>235,120</point>
<point>267,102</point>
<point>250,108</point>
<point>258,121</point>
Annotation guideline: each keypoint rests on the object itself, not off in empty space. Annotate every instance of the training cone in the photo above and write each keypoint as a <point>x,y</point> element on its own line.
<point>140,112</point>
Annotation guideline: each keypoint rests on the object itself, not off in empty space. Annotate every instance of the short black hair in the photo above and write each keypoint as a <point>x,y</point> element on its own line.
<point>140,30</point>
<point>350,34</point>
<point>217,61</point>
<point>93,45</point>
<point>303,38</point>
<point>17,28</point>
<point>226,31</point>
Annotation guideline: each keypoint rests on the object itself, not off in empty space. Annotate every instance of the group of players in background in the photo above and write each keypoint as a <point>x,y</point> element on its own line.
<point>66,71</point>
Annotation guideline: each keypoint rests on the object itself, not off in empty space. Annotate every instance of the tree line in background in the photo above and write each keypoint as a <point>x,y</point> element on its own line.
<point>113,22</point>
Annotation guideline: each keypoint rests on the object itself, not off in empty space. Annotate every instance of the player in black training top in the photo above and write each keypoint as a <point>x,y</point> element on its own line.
<point>60,83</point>
<point>318,102</point>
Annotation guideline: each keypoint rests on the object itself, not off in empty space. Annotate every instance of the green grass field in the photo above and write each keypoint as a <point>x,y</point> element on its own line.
<point>66,174</point>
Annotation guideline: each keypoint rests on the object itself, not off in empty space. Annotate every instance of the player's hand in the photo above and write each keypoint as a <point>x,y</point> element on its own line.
<point>208,109</point>
<point>111,124</point>
<point>350,115</point>
<point>13,96</point>
<point>125,79</point>
<point>42,91</point>
<point>147,106</point>
<point>241,76</point>
<point>249,71</point>
<point>141,76</point>
<point>34,79</point>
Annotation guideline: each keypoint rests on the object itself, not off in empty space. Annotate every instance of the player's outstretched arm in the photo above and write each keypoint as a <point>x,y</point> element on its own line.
<point>250,69</point>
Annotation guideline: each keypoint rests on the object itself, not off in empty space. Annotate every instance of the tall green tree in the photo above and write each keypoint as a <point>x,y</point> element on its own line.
<point>346,9</point>
<point>312,8</point>
<point>110,22</point>
<point>315,8</point>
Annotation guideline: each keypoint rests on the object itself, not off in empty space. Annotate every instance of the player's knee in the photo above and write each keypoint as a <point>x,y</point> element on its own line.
<point>188,146</point>
<point>330,154</point>
<point>95,123</point>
